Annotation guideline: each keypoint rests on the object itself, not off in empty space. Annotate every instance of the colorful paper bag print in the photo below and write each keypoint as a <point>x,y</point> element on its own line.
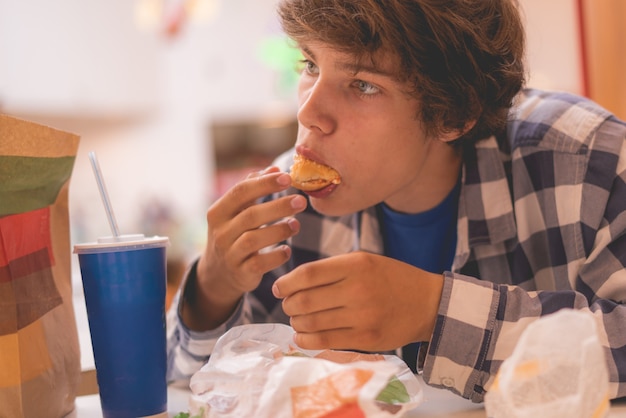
<point>25,269</point>
<point>39,353</point>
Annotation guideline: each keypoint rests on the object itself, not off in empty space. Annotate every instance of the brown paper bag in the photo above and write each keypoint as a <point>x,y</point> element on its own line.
<point>39,351</point>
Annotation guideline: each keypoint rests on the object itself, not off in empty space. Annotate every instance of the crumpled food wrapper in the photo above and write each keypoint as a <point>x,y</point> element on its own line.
<point>557,370</point>
<point>257,371</point>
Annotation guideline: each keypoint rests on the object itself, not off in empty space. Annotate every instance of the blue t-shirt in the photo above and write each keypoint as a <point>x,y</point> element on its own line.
<point>426,240</point>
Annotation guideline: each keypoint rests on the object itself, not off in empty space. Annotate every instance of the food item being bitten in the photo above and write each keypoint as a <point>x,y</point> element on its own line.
<point>308,175</point>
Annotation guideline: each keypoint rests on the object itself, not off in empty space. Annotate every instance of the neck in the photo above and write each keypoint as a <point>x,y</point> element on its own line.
<point>437,175</point>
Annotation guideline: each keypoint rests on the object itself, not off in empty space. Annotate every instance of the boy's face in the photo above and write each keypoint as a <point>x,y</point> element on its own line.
<point>361,121</point>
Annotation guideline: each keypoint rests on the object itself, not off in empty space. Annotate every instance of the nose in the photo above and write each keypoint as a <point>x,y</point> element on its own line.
<point>316,109</point>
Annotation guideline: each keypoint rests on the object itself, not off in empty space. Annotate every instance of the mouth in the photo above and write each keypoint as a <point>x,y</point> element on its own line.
<point>323,192</point>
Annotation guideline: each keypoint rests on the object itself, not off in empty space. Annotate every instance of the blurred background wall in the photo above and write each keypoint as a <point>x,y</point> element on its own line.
<point>604,50</point>
<point>180,98</point>
<point>145,83</point>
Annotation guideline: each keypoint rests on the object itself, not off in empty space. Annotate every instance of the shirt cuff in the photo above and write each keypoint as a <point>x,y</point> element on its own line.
<point>196,341</point>
<point>461,339</point>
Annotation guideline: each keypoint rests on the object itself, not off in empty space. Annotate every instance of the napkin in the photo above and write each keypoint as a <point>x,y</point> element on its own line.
<point>557,369</point>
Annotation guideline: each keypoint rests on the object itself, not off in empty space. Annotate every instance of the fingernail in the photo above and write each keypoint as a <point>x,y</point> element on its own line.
<point>294,225</point>
<point>298,202</point>
<point>284,179</point>
<point>275,291</point>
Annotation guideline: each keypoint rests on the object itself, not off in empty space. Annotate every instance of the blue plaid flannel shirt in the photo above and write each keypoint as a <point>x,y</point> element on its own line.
<point>541,227</point>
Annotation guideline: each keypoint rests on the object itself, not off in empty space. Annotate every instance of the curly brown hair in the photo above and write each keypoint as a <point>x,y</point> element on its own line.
<point>463,58</point>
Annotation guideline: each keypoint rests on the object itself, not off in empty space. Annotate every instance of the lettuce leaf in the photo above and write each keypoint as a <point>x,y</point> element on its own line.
<point>394,393</point>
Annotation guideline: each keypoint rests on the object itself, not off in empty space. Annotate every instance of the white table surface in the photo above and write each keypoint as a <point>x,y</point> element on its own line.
<point>437,403</point>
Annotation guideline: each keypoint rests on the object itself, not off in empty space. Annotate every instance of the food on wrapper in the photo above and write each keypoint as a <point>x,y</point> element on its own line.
<point>308,175</point>
<point>338,392</point>
<point>255,370</point>
<point>334,395</point>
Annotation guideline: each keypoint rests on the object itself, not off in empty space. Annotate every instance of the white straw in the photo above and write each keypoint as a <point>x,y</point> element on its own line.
<point>103,193</point>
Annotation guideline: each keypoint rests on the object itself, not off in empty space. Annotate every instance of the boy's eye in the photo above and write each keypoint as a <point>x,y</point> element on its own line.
<point>307,66</point>
<point>365,87</point>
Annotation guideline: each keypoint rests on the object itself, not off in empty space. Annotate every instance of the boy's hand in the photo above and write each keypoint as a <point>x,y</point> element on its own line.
<point>359,301</point>
<point>238,253</point>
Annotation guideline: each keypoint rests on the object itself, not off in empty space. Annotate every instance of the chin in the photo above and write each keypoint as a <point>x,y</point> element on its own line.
<point>331,207</point>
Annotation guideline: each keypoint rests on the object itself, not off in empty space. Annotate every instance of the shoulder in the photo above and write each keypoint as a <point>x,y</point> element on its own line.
<point>559,121</point>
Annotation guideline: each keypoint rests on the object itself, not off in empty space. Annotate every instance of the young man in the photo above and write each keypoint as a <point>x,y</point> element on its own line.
<point>467,207</point>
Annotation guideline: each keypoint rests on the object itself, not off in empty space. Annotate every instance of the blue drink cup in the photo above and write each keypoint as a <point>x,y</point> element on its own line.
<point>124,281</point>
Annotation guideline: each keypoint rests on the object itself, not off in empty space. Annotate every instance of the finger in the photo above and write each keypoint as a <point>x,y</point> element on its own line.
<point>348,338</point>
<point>307,276</point>
<point>315,299</point>
<point>255,217</point>
<point>251,242</point>
<point>338,339</point>
<point>246,193</point>
<point>319,321</point>
<point>260,263</point>
<point>267,170</point>
<point>266,213</point>
<point>261,217</point>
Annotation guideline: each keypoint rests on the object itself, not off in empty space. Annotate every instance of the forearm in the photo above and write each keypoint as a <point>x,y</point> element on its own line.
<point>189,350</point>
<point>203,308</point>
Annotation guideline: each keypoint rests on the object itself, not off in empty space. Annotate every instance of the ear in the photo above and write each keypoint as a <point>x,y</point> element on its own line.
<point>454,134</point>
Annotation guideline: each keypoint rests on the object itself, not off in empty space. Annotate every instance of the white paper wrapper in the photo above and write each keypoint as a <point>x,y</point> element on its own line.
<point>249,375</point>
<point>557,370</point>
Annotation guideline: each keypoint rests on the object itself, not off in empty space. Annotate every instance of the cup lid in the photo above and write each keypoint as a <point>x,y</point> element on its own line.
<point>122,242</point>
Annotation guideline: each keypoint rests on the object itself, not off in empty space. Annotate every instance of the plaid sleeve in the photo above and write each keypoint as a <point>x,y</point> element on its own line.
<point>479,321</point>
<point>477,328</point>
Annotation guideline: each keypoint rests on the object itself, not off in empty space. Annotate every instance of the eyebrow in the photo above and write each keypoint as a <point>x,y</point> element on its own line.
<point>361,68</point>
<point>356,68</point>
